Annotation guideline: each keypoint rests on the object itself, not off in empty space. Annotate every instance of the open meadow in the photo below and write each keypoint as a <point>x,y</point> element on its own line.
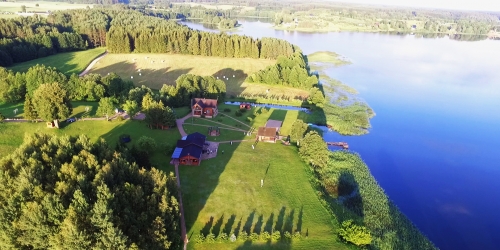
<point>68,63</point>
<point>159,69</point>
<point>13,7</point>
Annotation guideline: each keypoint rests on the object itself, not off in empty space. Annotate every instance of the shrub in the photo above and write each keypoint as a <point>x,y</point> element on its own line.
<point>297,236</point>
<point>242,236</point>
<point>120,118</point>
<point>243,110</point>
<point>355,234</point>
<point>146,144</point>
<point>264,110</point>
<point>288,235</point>
<point>166,148</point>
<point>227,110</point>
<point>249,119</point>
<point>199,238</point>
<point>222,237</point>
<point>276,235</point>
<point>210,238</point>
<point>265,236</point>
<point>238,113</point>
<point>232,238</point>
<point>254,237</point>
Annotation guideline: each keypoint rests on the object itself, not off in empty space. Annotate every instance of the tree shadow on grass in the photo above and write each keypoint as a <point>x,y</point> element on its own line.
<point>152,78</point>
<point>228,227</point>
<point>281,219</point>
<point>299,222</point>
<point>217,226</point>
<point>233,84</point>
<point>258,226</point>
<point>248,224</point>
<point>269,223</point>
<point>208,226</point>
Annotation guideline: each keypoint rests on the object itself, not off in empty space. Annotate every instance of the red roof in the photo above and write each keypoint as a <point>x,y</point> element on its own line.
<point>206,103</point>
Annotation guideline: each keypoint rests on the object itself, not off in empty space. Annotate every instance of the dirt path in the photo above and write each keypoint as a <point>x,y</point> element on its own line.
<point>179,123</point>
<point>183,222</point>
<point>92,64</point>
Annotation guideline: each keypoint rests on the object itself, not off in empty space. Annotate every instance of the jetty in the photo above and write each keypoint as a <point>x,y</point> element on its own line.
<point>344,145</point>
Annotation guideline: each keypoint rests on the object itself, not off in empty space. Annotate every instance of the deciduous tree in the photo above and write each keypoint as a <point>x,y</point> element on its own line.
<point>51,102</point>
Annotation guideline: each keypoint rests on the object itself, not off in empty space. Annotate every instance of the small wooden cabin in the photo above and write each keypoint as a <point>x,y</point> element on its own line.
<point>247,106</point>
<point>204,107</point>
<point>265,134</point>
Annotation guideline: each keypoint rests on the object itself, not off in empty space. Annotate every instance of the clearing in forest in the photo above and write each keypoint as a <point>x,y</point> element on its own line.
<point>154,70</point>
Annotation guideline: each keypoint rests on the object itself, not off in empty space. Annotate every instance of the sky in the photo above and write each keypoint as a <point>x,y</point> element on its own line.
<point>483,5</point>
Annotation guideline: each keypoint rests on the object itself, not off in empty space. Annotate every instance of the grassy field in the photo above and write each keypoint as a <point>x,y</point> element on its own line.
<point>159,69</point>
<point>327,57</point>
<point>224,194</point>
<point>43,6</point>
<point>68,63</point>
<point>7,109</point>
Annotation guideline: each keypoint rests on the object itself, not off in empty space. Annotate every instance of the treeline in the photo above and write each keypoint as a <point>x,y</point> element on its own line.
<point>132,32</point>
<point>190,86</point>
<point>68,192</point>
<point>345,182</point>
<point>27,38</point>
<point>288,71</point>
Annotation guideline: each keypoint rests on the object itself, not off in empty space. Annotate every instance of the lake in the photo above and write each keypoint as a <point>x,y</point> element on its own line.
<point>434,145</point>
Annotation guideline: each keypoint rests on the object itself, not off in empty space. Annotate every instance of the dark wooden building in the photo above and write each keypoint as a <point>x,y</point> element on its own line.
<point>204,107</point>
<point>189,149</point>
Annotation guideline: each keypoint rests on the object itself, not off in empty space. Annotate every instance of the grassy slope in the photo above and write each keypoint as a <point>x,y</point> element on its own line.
<point>159,69</point>
<point>68,63</point>
<point>225,193</point>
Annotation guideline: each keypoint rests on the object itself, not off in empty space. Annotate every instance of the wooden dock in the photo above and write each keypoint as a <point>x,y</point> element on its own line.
<point>344,145</point>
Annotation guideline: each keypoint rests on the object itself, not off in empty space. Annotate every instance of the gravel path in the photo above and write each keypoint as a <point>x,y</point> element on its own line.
<point>92,64</point>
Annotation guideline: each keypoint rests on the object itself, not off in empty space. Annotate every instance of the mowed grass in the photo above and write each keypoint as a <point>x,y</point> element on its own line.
<point>42,6</point>
<point>159,69</point>
<point>68,63</point>
<point>12,134</point>
<point>224,194</point>
<point>7,109</point>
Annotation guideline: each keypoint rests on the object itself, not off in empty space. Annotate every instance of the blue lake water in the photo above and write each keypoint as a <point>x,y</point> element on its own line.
<point>434,145</point>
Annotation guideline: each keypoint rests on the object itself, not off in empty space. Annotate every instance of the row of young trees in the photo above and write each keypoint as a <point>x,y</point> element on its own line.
<point>71,193</point>
<point>289,71</point>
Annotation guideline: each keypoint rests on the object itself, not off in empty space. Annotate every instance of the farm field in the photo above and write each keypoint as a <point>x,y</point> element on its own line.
<point>43,6</point>
<point>68,63</point>
<point>159,69</point>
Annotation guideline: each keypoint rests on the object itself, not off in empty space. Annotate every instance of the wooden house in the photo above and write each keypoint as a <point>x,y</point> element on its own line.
<point>247,106</point>
<point>204,107</point>
<point>189,149</point>
<point>265,134</point>
<point>274,124</point>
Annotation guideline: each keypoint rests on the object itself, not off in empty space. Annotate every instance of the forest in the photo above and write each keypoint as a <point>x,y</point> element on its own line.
<point>71,193</point>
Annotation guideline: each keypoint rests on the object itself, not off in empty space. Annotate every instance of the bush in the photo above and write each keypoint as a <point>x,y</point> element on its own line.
<point>264,110</point>
<point>254,237</point>
<point>227,110</point>
<point>120,118</point>
<point>199,238</point>
<point>265,236</point>
<point>242,236</point>
<point>276,235</point>
<point>249,119</point>
<point>238,113</point>
<point>243,110</point>
<point>232,238</point>
<point>166,148</point>
<point>222,237</point>
<point>210,238</point>
<point>146,144</point>
<point>355,234</point>
<point>288,235</point>
<point>297,236</point>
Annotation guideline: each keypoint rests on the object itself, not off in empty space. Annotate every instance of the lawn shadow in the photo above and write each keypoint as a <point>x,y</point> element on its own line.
<point>258,226</point>
<point>299,222</point>
<point>217,226</point>
<point>288,227</point>
<point>152,78</point>
<point>233,84</point>
<point>281,219</point>
<point>248,224</point>
<point>269,223</point>
<point>229,224</point>
<point>208,226</point>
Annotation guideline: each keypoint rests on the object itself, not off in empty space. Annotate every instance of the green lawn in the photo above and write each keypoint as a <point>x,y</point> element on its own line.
<point>7,109</point>
<point>68,63</point>
<point>224,194</point>
<point>12,134</point>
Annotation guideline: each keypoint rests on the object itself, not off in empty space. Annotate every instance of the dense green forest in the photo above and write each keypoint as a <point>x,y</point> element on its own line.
<point>70,193</point>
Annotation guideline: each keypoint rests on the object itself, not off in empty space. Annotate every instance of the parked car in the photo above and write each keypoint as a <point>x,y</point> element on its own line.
<point>73,119</point>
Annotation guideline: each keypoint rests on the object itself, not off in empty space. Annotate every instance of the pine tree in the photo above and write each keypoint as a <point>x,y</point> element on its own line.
<point>29,109</point>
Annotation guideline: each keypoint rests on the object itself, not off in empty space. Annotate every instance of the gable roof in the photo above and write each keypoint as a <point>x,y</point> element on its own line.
<point>196,136</point>
<point>267,132</point>
<point>191,150</point>
<point>273,124</point>
<point>205,103</point>
<point>185,143</point>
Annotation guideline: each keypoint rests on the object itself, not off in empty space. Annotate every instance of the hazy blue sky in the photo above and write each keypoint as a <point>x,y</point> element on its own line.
<point>491,5</point>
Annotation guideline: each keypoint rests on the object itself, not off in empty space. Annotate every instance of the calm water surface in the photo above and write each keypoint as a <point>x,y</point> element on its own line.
<point>434,145</point>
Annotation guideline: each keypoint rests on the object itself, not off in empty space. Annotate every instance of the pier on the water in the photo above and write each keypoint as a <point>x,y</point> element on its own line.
<point>344,145</point>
